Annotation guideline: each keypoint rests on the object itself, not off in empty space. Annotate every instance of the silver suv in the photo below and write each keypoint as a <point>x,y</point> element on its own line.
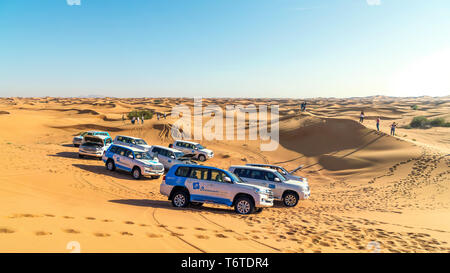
<point>194,184</point>
<point>288,174</point>
<point>289,191</point>
<point>94,146</point>
<point>169,157</point>
<point>137,162</point>
<point>189,147</point>
<point>133,142</point>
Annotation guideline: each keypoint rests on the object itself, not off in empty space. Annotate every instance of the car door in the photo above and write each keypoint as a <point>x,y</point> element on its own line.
<point>255,177</point>
<point>222,191</point>
<point>118,158</point>
<point>128,159</point>
<point>200,188</point>
<point>275,186</point>
<point>159,153</point>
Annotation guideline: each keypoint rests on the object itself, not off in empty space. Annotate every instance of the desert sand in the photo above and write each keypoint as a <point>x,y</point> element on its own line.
<point>370,191</point>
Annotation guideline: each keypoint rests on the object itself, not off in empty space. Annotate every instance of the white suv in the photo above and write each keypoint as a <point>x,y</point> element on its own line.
<point>289,191</point>
<point>133,142</point>
<point>283,171</point>
<point>189,147</point>
<point>194,184</point>
<point>94,146</point>
<point>137,162</point>
<point>169,157</point>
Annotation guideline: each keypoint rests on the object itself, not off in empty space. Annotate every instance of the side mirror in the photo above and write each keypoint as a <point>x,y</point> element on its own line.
<point>131,156</point>
<point>277,179</point>
<point>227,179</point>
<point>172,156</point>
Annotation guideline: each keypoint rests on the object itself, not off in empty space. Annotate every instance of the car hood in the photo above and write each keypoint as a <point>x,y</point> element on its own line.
<point>149,162</point>
<point>78,137</point>
<point>251,186</point>
<point>302,184</point>
<point>297,178</point>
<point>207,151</point>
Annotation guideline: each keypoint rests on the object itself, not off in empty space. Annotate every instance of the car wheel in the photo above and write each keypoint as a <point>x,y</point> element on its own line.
<point>136,173</point>
<point>110,166</point>
<point>180,199</point>
<point>196,204</point>
<point>290,199</point>
<point>244,205</point>
<point>80,156</point>
<point>76,145</point>
<point>155,176</point>
<point>202,158</point>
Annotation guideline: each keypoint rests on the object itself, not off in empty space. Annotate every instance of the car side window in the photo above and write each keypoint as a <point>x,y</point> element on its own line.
<point>113,149</point>
<point>129,154</point>
<point>256,174</point>
<point>122,151</point>
<point>199,173</point>
<point>182,171</point>
<point>217,176</point>
<point>269,176</point>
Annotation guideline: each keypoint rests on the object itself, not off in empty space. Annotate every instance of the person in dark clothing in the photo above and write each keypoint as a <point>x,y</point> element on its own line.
<point>378,124</point>
<point>361,117</point>
<point>393,126</point>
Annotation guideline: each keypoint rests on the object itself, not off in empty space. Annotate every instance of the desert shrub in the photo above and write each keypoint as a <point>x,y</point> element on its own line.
<point>423,122</point>
<point>147,114</point>
<point>419,122</point>
<point>414,107</point>
<point>437,122</point>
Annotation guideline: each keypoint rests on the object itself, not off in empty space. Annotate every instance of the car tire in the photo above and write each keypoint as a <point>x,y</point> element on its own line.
<point>110,166</point>
<point>290,199</point>
<point>244,205</point>
<point>76,145</point>
<point>136,173</point>
<point>155,176</point>
<point>202,158</point>
<point>196,204</point>
<point>180,199</point>
<point>258,210</point>
<point>80,156</point>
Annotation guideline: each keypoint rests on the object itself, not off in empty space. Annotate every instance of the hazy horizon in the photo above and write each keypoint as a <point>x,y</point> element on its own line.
<point>225,49</point>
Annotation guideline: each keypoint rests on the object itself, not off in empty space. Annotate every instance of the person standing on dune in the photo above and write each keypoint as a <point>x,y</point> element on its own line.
<point>393,128</point>
<point>378,124</point>
<point>361,117</point>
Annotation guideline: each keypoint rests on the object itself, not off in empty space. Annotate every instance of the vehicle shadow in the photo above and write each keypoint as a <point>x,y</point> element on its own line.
<point>68,145</point>
<point>168,205</point>
<point>100,169</point>
<point>73,155</point>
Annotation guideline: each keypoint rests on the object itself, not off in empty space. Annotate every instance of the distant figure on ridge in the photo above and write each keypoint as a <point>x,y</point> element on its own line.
<point>133,120</point>
<point>361,117</point>
<point>393,128</point>
<point>303,106</point>
<point>378,123</point>
<point>142,120</point>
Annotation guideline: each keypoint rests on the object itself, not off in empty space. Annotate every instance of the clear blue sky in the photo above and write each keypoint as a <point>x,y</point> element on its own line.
<point>224,48</point>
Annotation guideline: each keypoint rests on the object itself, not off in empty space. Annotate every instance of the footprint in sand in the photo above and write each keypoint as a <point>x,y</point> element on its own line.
<point>152,235</point>
<point>126,233</point>
<point>6,230</point>
<point>202,236</point>
<point>107,220</point>
<point>199,228</point>
<point>101,234</point>
<point>42,233</point>
<point>90,218</point>
<point>176,234</point>
<point>220,235</point>
<point>129,222</point>
<point>71,230</point>
<point>68,217</point>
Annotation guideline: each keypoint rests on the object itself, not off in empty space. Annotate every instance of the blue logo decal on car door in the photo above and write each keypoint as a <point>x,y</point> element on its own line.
<point>271,186</point>
<point>196,186</point>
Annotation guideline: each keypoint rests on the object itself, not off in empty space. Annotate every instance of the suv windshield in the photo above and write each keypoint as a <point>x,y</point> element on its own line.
<point>200,147</point>
<point>279,175</point>
<point>142,155</point>
<point>235,178</point>
<point>140,142</point>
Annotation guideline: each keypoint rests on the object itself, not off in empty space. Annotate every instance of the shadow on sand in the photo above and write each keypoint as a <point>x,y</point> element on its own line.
<point>100,169</point>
